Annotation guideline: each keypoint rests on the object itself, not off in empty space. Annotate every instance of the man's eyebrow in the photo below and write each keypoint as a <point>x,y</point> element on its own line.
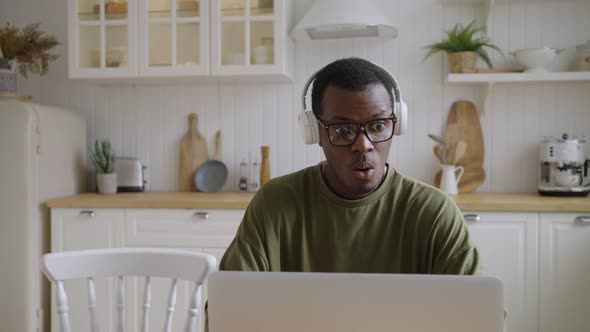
<point>381,114</point>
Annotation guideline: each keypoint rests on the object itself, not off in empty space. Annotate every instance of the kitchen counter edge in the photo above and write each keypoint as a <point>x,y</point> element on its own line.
<point>499,202</point>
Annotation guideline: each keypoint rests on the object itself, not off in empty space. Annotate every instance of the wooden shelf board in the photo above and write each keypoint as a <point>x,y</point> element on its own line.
<point>519,77</point>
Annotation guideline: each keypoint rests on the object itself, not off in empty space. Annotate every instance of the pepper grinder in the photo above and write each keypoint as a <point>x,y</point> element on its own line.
<point>264,165</point>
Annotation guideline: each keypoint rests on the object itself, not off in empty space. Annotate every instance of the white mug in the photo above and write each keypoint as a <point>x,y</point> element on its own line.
<point>450,179</point>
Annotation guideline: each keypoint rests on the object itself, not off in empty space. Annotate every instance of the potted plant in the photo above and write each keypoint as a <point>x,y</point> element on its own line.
<point>464,45</point>
<point>25,49</point>
<point>103,160</point>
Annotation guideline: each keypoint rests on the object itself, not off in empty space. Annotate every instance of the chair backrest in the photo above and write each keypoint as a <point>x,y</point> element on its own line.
<point>120,262</point>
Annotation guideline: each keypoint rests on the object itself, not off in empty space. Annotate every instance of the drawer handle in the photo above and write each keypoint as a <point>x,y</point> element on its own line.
<point>202,214</point>
<point>582,219</point>
<point>471,217</point>
<point>90,214</point>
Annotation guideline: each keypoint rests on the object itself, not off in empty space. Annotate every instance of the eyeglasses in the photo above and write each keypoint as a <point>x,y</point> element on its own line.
<point>345,134</point>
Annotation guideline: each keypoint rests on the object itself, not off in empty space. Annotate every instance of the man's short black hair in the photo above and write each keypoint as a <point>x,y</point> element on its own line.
<point>351,73</point>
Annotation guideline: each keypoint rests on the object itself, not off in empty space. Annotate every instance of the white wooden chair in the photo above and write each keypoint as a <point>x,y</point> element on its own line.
<point>120,262</point>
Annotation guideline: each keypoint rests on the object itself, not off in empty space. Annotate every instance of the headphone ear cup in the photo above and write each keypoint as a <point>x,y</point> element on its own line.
<point>401,114</point>
<point>308,127</point>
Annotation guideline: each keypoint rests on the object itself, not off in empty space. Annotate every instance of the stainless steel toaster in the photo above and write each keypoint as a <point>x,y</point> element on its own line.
<point>130,174</point>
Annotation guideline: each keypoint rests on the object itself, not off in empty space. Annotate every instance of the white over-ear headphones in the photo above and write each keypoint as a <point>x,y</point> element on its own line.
<point>308,123</point>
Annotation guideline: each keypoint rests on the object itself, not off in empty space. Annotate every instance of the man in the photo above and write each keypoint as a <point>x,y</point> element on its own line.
<point>353,212</point>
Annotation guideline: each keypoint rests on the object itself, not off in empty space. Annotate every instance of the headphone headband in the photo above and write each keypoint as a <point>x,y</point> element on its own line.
<point>397,95</point>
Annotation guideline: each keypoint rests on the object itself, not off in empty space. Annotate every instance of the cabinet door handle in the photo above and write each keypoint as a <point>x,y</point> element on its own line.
<point>87,213</point>
<point>201,214</point>
<point>582,219</point>
<point>471,217</point>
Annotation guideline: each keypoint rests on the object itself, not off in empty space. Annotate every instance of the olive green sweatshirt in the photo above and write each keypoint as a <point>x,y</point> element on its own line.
<point>296,223</point>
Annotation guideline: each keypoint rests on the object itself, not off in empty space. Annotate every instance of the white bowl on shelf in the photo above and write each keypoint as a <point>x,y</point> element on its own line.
<point>536,59</point>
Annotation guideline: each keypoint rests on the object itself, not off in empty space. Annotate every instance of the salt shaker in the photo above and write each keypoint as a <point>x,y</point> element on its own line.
<point>243,184</point>
<point>254,175</point>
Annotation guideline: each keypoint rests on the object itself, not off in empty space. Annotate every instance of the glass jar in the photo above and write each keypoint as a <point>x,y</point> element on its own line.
<point>582,61</point>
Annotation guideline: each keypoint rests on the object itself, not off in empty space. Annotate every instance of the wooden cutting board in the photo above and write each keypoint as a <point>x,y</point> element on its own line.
<point>463,124</point>
<point>193,152</point>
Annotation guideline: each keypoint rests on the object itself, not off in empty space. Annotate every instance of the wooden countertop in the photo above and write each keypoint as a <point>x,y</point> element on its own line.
<point>234,200</point>
<point>159,200</point>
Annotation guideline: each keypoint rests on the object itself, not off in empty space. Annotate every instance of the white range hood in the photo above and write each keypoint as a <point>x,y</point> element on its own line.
<point>332,19</point>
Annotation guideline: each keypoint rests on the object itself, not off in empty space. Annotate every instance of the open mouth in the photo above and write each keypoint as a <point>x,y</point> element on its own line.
<point>364,171</point>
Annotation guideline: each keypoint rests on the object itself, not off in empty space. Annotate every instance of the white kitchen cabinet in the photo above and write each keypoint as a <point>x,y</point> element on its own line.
<point>508,243</point>
<point>200,230</point>
<point>564,272</point>
<point>251,37</point>
<point>102,39</point>
<point>181,228</point>
<point>76,229</point>
<point>173,38</point>
<point>138,39</point>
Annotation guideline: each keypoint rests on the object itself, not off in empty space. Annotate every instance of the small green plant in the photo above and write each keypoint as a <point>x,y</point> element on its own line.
<point>471,38</point>
<point>103,157</point>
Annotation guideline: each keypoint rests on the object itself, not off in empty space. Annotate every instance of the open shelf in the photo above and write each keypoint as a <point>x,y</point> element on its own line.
<point>259,11</point>
<point>83,17</point>
<point>494,1</point>
<point>519,77</point>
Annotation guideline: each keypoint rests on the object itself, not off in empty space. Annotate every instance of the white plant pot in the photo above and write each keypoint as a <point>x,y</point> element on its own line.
<point>107,183</point>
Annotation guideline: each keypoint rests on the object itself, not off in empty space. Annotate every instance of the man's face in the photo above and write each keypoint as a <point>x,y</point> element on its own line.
<point>354,171</point>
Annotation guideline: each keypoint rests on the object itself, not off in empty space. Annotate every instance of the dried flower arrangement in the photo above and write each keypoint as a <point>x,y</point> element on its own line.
<point>28,47</point>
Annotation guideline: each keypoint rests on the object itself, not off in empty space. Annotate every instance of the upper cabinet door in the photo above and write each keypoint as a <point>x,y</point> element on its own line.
<point>250,37</point>
<point>174,37</point>
<point>101,38</point>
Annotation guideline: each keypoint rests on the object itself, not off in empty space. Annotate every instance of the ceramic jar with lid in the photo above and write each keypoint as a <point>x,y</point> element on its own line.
<point>582,61</point>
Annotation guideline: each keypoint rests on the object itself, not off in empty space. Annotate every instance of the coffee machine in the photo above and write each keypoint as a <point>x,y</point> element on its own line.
<point>564,168</point>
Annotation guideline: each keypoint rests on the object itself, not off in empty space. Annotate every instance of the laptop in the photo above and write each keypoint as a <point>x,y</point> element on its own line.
<point>349,302</point>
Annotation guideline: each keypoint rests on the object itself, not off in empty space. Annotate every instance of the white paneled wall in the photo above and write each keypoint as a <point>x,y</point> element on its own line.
<point>148,121</point>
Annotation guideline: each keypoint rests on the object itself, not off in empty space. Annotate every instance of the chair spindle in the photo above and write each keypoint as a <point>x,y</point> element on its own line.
<point>121,304</point>
<point>92,306</point>
<point>62,307</point>
<point>194,309</point>
<point>171,305</point>
<point>147,298</point>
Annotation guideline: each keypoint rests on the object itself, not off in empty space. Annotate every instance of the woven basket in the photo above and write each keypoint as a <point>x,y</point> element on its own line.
<point>462,62</point>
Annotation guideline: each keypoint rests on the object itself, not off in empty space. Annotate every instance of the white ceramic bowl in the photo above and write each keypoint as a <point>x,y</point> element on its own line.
<point>536,59</point>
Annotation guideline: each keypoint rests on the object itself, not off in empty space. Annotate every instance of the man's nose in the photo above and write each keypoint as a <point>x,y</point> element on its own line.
<point>362,143</point>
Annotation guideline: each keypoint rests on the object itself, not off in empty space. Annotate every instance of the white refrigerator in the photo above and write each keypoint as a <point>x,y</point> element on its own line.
<point>42,156</point>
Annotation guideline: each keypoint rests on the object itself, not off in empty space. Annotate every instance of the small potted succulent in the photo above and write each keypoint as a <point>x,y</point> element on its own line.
<point>464,45</point>
<point>103,160</point>
<point>25,49</point>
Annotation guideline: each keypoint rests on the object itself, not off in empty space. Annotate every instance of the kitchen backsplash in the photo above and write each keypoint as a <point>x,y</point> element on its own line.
<point>147,121</point>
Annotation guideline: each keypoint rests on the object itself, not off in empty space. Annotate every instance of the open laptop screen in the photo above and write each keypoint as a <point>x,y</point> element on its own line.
<point>343,302</point>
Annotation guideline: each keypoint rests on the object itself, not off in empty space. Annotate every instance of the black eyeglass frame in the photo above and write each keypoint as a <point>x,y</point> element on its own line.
<point>362,128</point>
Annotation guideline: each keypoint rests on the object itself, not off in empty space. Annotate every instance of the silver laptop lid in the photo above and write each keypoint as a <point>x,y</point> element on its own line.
<point>343,302</point>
